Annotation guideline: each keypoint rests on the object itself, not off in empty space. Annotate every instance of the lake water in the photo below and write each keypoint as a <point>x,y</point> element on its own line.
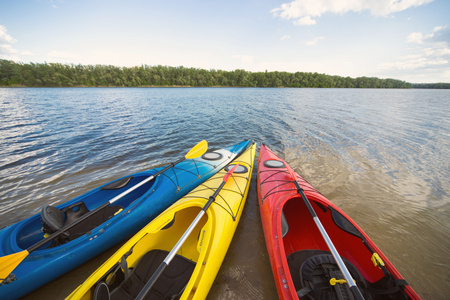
<point>381,155</point>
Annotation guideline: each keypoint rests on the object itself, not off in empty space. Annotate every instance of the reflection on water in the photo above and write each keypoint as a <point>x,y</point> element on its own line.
<point>380,155</point>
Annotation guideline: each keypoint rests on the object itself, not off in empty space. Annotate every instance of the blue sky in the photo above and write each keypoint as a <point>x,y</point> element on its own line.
<point>402,39</point>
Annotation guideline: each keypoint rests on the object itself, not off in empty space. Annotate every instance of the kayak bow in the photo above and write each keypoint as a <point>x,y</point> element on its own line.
<point>302,264</point>
<point>194,267</point>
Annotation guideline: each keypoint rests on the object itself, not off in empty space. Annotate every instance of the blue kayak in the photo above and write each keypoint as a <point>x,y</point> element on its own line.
<point>103,229</point>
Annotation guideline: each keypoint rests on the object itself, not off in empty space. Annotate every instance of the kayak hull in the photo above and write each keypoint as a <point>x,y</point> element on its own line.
<point>138,208</point>
<point>205,247</point>
<point>293,239</point>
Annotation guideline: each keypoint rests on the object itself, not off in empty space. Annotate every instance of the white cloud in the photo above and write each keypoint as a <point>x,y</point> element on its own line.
<point>7,50</point>
<point>439,28</point>
<point>305,21</point>
<point>5,37</point>
<point>414,62</point>
<point>437,51</point>
<point>302,11</point>
<point>438,34</point>
<point>59,56</point>
<point>285,37</point>
<point>244,58</point>
<point>314,41</point>
<point>415,37</point>
<point>53,5</point>
<point>431,53</point>
<point>26,53</point>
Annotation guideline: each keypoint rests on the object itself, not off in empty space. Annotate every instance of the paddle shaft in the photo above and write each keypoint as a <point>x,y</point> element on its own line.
<point>145,181</point>
<point>348,277</point>
<point>181,241</point>
<point>87,215</point>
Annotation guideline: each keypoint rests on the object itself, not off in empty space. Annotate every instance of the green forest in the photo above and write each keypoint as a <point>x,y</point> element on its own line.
<point>13,74</point>
<point>439,85</point>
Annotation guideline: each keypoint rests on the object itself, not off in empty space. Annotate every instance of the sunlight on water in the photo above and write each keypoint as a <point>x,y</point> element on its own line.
<point>381,155</point>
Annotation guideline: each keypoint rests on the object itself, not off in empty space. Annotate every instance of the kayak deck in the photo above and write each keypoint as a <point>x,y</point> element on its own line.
<point>301,261</point>
<point>195,266</point>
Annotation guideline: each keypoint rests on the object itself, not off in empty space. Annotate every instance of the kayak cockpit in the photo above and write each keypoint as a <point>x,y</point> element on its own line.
<point>313,270</point>
<point>316,275</point>
<point>126,278</point>
<point>52,218</point>
<point>311,265</point>
<point>127,285</point>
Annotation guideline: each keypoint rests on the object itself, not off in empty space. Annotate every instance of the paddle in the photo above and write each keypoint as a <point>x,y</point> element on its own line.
<point>180,242</point>
<point>348,277</point>
<point>9,262</point>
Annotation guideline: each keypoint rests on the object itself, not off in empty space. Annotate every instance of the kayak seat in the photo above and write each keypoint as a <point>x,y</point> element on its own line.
<point>101,292</point>
<point>170,284</point>
<point>54,219</point>
<point>312,270</point>
<point>284,225</point>
<point>344,224</point>
<point>118,184</point>
<point>73,212</point>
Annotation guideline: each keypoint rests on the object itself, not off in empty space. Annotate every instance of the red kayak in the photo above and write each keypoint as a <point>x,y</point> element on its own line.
<point>315,249</point>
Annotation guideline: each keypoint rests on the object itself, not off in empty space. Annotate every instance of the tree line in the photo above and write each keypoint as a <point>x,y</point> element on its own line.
<point>440,85</point>
<point>70,75</point>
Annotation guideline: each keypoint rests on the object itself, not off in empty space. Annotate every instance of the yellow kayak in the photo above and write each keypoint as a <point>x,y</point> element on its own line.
<point>192,271</point>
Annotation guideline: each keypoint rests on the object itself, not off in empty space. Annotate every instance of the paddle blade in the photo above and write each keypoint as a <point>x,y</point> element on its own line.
<point>198,150</point>
<point>225,178</point>
<point>9,262</point>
